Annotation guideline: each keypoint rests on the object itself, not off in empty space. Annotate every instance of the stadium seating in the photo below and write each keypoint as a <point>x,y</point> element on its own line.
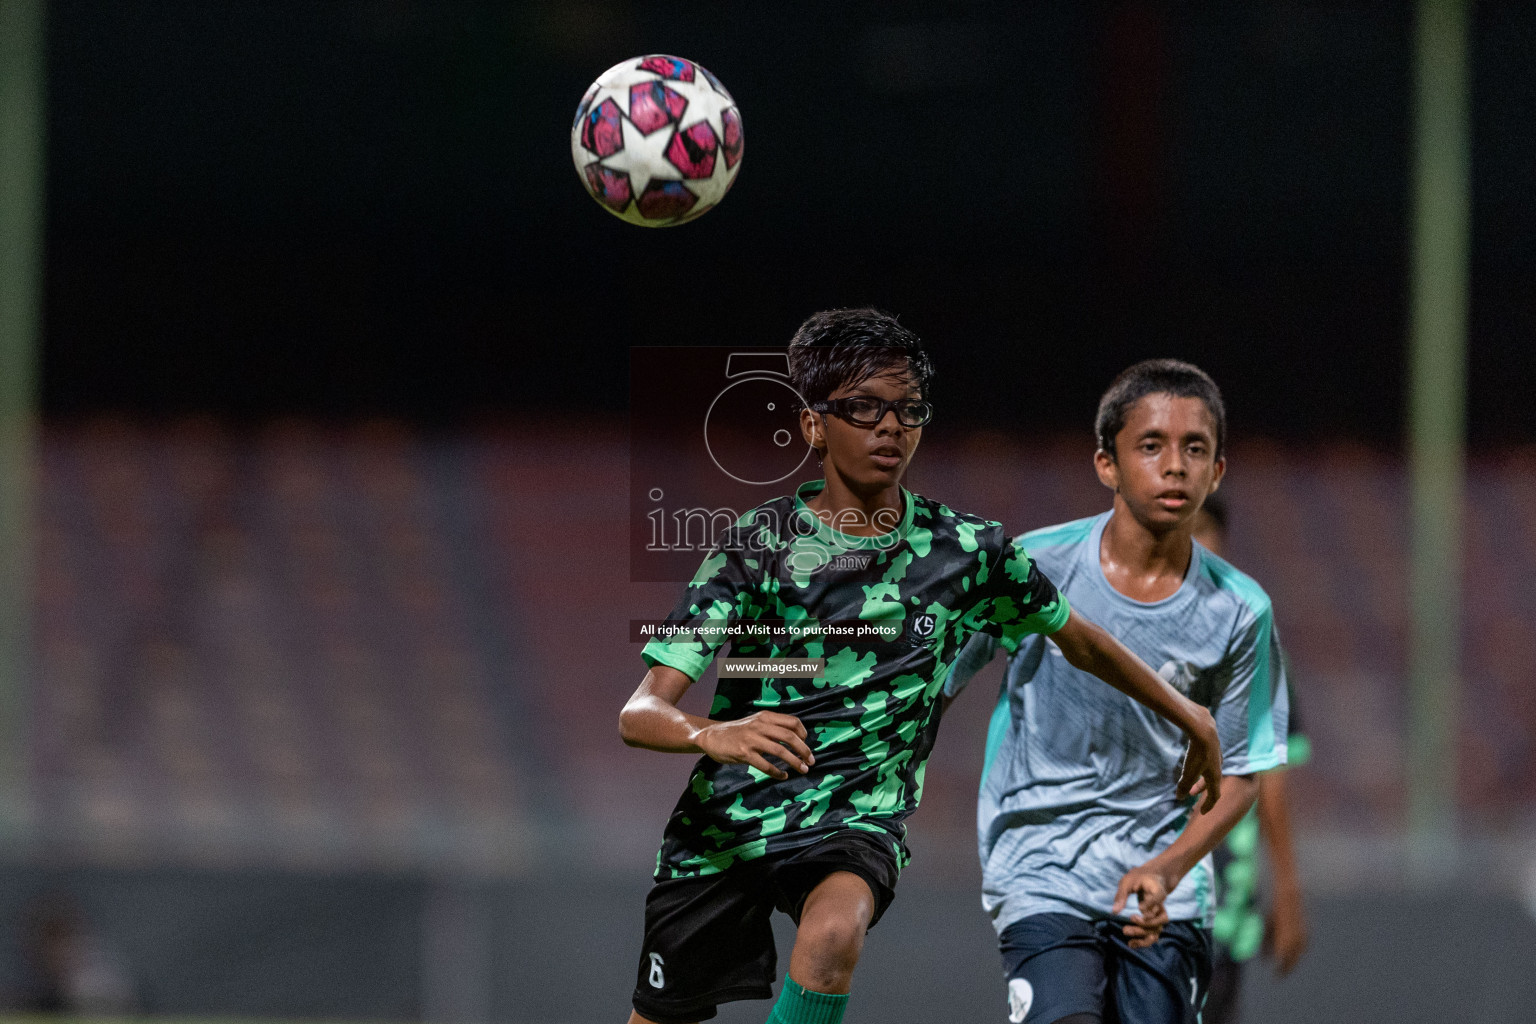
<point>313,644</point>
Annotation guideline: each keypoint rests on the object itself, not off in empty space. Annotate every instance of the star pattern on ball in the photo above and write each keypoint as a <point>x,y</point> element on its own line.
<point>642,152</point>
<point>721,176</point>
<point>657,140</point>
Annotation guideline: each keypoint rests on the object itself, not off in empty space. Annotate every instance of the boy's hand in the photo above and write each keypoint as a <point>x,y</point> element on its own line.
<point>1285,931</point>
<point>1200,771</point>
<point>1151,889</point>
<point>754,739</point>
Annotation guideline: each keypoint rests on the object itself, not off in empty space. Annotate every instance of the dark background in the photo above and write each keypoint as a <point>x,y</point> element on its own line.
<point>369,207</point>
<point>332,516</point>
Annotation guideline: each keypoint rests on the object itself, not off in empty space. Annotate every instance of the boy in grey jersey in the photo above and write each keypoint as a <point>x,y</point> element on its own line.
<point>1077,815</point>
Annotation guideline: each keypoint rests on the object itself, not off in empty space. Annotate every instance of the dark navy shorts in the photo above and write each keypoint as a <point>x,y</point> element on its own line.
<point>1058,965</point>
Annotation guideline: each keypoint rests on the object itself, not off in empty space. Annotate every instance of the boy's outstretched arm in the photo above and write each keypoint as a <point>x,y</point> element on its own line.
<point>652,719</point>
<point>1089,648</point>
<point>1154,880</point>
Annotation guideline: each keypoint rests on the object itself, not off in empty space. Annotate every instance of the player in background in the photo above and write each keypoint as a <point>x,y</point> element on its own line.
<point>1240,929</point>
<point>799,800</point>
<point>1075,817</point>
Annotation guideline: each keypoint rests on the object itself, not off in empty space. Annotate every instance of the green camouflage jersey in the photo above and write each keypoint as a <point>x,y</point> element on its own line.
<point>872,715</point>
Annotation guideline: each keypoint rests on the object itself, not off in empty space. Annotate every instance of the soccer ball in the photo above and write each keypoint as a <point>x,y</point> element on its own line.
<point>657,140</point>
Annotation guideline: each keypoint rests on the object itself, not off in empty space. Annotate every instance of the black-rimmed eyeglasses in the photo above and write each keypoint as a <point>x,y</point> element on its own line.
<point>867,411</point>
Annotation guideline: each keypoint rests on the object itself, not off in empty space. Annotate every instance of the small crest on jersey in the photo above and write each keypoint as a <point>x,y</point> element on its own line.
<point>1021,995</point>
<point>1180,675</point>
<point>922,625</point>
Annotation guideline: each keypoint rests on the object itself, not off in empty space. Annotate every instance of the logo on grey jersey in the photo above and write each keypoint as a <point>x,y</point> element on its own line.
<point>1178,674</point>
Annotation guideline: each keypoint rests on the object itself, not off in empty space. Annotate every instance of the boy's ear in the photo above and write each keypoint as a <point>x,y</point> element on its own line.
<point>1219,471</point>
<point>811,430</point>
<point>1109,471</point>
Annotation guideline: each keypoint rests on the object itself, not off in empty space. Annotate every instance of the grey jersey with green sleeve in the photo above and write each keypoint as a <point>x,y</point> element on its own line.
<point>1078,784</point>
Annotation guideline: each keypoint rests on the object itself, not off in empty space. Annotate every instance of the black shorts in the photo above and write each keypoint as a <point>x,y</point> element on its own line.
<point>1058,965</point>
<point>708,940</point>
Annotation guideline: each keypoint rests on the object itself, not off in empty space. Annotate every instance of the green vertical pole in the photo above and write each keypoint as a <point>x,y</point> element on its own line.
<point>21,249</point>
<point>1437,423</point>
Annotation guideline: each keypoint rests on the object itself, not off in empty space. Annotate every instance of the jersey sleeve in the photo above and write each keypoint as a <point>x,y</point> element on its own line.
<point>1252,714</point>
<point>716,598</point>
<point>1298,745</point>
<point>1019,599</point>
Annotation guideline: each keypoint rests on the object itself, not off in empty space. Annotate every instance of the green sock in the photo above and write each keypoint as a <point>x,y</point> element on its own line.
<point>800,1006</point>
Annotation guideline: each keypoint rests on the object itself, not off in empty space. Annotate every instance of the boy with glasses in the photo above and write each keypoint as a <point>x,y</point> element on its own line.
<point>799,800</point>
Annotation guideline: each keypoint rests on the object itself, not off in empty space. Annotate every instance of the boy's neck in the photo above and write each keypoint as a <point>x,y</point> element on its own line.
<point>1142,564</point>
<point>847,511</point>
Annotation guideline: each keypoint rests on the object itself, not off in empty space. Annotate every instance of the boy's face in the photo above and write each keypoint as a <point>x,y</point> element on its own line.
<point>1164,464</point>
<point>867,459</point>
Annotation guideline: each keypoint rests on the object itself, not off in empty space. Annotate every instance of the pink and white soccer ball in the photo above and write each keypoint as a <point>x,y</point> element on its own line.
<point>657,140</point>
